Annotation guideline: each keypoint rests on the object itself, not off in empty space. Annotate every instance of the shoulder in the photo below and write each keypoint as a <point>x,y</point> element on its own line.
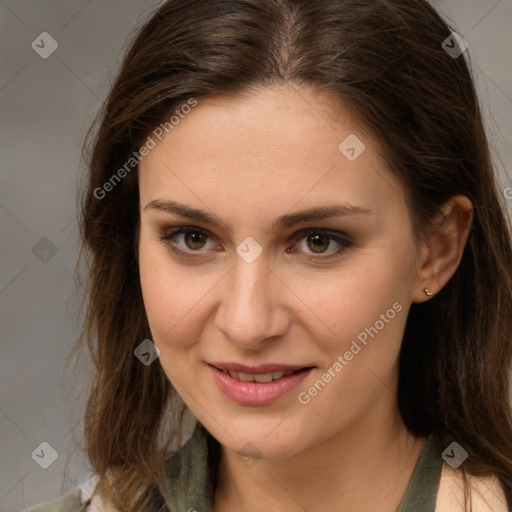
<point>70,502</point>
<point>76,500</point>
<point>487,493</point>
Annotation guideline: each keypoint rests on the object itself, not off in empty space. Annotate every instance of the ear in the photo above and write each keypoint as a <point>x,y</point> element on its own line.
<point>442,250</point>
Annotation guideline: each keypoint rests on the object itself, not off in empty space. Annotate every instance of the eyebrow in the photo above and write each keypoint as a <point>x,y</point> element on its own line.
<point>282,222</point>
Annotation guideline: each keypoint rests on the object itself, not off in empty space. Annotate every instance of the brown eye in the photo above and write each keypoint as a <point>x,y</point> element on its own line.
<point>191,242</point>
<point>195,239</point>
<point>318,242</point>
<point>186,241</point>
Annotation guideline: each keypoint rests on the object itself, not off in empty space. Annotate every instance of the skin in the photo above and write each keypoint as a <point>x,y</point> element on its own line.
<point>247,161</point>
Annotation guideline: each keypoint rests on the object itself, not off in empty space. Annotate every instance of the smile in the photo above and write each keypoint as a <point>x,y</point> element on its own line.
<point>257,388</point>
<point>258,377</point>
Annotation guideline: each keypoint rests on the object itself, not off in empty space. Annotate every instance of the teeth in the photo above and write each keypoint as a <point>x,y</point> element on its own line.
<point>260,377</point>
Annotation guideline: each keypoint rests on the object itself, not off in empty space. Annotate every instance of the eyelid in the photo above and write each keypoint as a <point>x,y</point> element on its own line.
<point>301,233</point>
<point>167,237</point>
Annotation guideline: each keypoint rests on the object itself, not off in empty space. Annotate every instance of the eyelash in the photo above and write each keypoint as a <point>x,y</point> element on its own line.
<point>303,233</point>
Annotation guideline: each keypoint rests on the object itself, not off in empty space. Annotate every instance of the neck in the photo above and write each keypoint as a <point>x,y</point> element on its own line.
<point>366,466</point>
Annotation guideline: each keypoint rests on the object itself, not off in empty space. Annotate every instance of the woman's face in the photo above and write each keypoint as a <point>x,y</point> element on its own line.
<point>254,283</point>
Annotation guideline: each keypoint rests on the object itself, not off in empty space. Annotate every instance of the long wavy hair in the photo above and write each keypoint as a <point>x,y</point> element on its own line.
<point>385,61</point>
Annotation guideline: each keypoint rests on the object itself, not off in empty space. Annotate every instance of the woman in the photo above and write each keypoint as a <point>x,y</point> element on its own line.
<point>295,233</point>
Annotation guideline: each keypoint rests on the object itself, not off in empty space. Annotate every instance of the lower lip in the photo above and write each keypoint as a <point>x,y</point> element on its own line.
<point>257,393</point>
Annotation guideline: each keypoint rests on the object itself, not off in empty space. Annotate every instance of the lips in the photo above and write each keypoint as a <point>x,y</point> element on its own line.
<point>262,368</point>
<point>261,373</point>
<point>262,388</point>
<point>258,377</point>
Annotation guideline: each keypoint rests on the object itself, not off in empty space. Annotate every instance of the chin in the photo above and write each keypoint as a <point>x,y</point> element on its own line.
<point>258,439</point>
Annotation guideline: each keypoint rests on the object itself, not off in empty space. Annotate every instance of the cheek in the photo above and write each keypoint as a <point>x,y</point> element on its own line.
<point>362,350</point>
<point>160,287</point>
<point>172,296</point>
<point>347,302</point>
<point>365,306</point>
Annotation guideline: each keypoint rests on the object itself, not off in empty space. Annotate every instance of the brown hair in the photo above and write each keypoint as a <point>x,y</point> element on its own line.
<point>384,60</point>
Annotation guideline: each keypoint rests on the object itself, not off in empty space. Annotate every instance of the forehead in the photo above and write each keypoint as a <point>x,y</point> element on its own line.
<point>264,153</point>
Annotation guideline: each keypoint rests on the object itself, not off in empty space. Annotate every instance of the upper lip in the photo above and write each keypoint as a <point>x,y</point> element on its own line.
<point>262,368</point>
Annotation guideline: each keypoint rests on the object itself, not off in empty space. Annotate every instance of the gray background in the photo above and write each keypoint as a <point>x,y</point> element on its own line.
<point>46,107</point>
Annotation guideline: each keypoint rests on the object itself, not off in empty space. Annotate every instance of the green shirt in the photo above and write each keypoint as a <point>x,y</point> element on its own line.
<point>191,473</point>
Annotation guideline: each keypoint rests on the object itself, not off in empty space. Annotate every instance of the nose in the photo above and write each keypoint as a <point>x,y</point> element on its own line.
<point>251,310</point>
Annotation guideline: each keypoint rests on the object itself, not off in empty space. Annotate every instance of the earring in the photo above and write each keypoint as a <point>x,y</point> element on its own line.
<point>429,292</point>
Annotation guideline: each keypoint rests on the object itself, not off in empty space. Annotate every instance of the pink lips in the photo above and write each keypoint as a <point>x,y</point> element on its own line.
<point>262,368</point>
<point>257,393</point>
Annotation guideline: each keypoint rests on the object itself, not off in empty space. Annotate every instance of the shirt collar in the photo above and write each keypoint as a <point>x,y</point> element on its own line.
<point>191,473</point>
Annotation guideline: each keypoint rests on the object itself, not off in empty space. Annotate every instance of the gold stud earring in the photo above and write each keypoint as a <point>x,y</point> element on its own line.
<point>429,292</point>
